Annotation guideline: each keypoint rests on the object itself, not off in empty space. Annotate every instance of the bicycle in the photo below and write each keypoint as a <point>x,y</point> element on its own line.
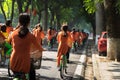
<point>63,66</point>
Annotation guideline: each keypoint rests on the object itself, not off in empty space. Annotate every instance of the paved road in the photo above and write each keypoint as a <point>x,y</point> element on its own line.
<point>48,70</point>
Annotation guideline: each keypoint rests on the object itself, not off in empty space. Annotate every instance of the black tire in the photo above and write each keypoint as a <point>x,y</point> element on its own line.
<point>65,70</point>
<point>100,53</point>
<point>105,54</point>
<point>62,72</point>
<point>10,73</point>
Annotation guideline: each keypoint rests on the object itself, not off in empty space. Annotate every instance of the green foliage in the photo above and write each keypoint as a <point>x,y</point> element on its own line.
<point>7,7</point>
<point>90,5</point>
<point>67,14</point>
<point>118,7</point>
<point>38,5</point>
<point>82,24</point>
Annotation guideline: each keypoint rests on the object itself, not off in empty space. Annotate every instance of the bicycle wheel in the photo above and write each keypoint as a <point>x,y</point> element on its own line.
<point>10,74</point>
<point>65,70</point>
<point>63,67</point>
<point>62,71</point>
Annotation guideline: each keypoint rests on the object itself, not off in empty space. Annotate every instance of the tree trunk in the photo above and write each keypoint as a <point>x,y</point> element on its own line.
<point>58,21</point>
<point>12,13</point>
<point>113,29</point>
<point>27,6</point>
<point>100,19</point>
<point>39,17</point>
<point>45,15</point>
<point>52,18</point>
<point>19,3</point>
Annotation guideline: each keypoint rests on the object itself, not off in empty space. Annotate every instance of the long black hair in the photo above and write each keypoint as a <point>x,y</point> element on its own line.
<point>8,22</point>
<point>64,28</point>
<point>24,20</point>
<point>3,28</point>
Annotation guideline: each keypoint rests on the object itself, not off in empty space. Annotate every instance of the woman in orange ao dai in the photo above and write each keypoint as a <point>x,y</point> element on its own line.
<point>21,40</point>
<point>62,43</point>
<point>39,33</point>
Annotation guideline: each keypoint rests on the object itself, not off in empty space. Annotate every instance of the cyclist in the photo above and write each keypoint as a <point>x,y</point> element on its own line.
<point>39,33</point>
<point>9,27</point>
<point>50,34</point>
<point>62,38</point>
<point>21,40</point>
<point>6,49</point>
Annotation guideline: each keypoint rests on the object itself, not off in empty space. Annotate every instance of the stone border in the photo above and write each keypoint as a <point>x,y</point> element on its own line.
<point>96,73</point>
<point>79,72</point>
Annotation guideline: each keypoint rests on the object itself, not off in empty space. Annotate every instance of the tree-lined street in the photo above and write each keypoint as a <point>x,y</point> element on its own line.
<point>90,16</point>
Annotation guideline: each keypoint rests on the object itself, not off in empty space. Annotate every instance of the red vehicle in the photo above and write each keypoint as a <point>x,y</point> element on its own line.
<point>102,43</point>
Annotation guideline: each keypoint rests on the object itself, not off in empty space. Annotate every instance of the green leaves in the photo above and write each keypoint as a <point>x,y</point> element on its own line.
<point>90,5</point>
<point>118,7</point>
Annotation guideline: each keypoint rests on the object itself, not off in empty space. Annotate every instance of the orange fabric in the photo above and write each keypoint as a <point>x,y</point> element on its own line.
<point>80,37</point>
<point>73,36</point>
<point>58,60</point>
<point>77,36</point>
<point>58,37</point>
<point>69,41</point>
<point>39,35</point>
<point>83,35</point>
<point>49,34</point>
<point>20,57</point>
<point>54,33</point>
<point>63,46</point>
<point>9,29</point>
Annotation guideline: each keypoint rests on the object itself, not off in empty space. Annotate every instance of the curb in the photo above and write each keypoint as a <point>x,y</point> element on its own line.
<point>96,72</point>
<point>79,72</point>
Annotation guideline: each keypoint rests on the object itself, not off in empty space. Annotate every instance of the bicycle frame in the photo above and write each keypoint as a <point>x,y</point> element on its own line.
<point>63,66</point>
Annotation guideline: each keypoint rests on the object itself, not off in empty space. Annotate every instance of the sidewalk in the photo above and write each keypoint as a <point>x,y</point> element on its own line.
<point>105,69</point>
